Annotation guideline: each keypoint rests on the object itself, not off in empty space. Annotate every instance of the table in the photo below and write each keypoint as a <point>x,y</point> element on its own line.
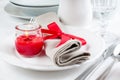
<point>14,73</point>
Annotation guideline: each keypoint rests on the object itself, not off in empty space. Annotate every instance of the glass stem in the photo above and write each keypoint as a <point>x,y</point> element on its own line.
<point>104,24</point>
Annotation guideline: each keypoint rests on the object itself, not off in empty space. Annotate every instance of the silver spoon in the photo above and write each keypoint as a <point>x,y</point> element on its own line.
<point>100,63</point>
<point>105,67</point>
<point>116,56</point>
<point>116,52</point>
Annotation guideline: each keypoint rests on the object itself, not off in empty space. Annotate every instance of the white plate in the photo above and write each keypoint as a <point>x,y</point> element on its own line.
<point>95,46</point>
<point>27,12</point>
<point>36,2</point>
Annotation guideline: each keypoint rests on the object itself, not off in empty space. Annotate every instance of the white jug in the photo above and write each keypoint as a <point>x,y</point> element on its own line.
<point>75,12</point>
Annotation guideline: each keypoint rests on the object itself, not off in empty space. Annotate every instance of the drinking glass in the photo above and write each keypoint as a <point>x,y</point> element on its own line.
<point>104,9</point>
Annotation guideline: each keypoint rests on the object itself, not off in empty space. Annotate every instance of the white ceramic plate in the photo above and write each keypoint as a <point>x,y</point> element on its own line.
<point>35,2</point>
<point>27,12</point>
<point>95,46</point>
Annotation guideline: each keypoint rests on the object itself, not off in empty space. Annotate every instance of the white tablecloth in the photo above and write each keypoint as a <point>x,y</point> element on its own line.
<point>14,73</point>
<point>7,71</point>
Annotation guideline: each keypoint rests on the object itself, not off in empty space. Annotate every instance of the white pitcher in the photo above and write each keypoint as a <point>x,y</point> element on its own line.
<point>75,12</point>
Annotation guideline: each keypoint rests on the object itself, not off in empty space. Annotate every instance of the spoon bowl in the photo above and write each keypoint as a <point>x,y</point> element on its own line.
<point>116,52</point>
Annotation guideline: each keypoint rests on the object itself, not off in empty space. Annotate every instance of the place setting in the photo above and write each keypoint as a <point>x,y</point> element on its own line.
<point>42,48</point>
<point>57,37</point>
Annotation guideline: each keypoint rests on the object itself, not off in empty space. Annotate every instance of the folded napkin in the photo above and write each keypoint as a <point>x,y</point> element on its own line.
<point>48,18</point>
<point>66,54</point>
<point>62,48</point>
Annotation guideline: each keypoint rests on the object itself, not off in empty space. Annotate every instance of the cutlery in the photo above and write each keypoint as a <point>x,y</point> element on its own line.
<point>101,71</point>
<point>107,64</point>
<point>100,62</point>
<point>106,72</point>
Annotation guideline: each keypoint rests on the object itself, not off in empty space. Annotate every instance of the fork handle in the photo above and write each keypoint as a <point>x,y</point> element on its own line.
<point>104,66</point>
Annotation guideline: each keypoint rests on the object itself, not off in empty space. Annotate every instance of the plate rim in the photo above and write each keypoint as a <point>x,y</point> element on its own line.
<point>29,7</point>
<point>15,7</point>
<point>33,5</point>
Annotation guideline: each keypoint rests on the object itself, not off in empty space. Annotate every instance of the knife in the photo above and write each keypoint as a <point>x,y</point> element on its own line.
<point>105,67</point>
<point>110,62</point>
<point>101,71</point>
<point>107,53</point>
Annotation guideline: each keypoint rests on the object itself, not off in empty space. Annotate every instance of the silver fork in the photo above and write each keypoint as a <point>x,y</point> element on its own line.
<point>107,65</point>
<point>97,67</point>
